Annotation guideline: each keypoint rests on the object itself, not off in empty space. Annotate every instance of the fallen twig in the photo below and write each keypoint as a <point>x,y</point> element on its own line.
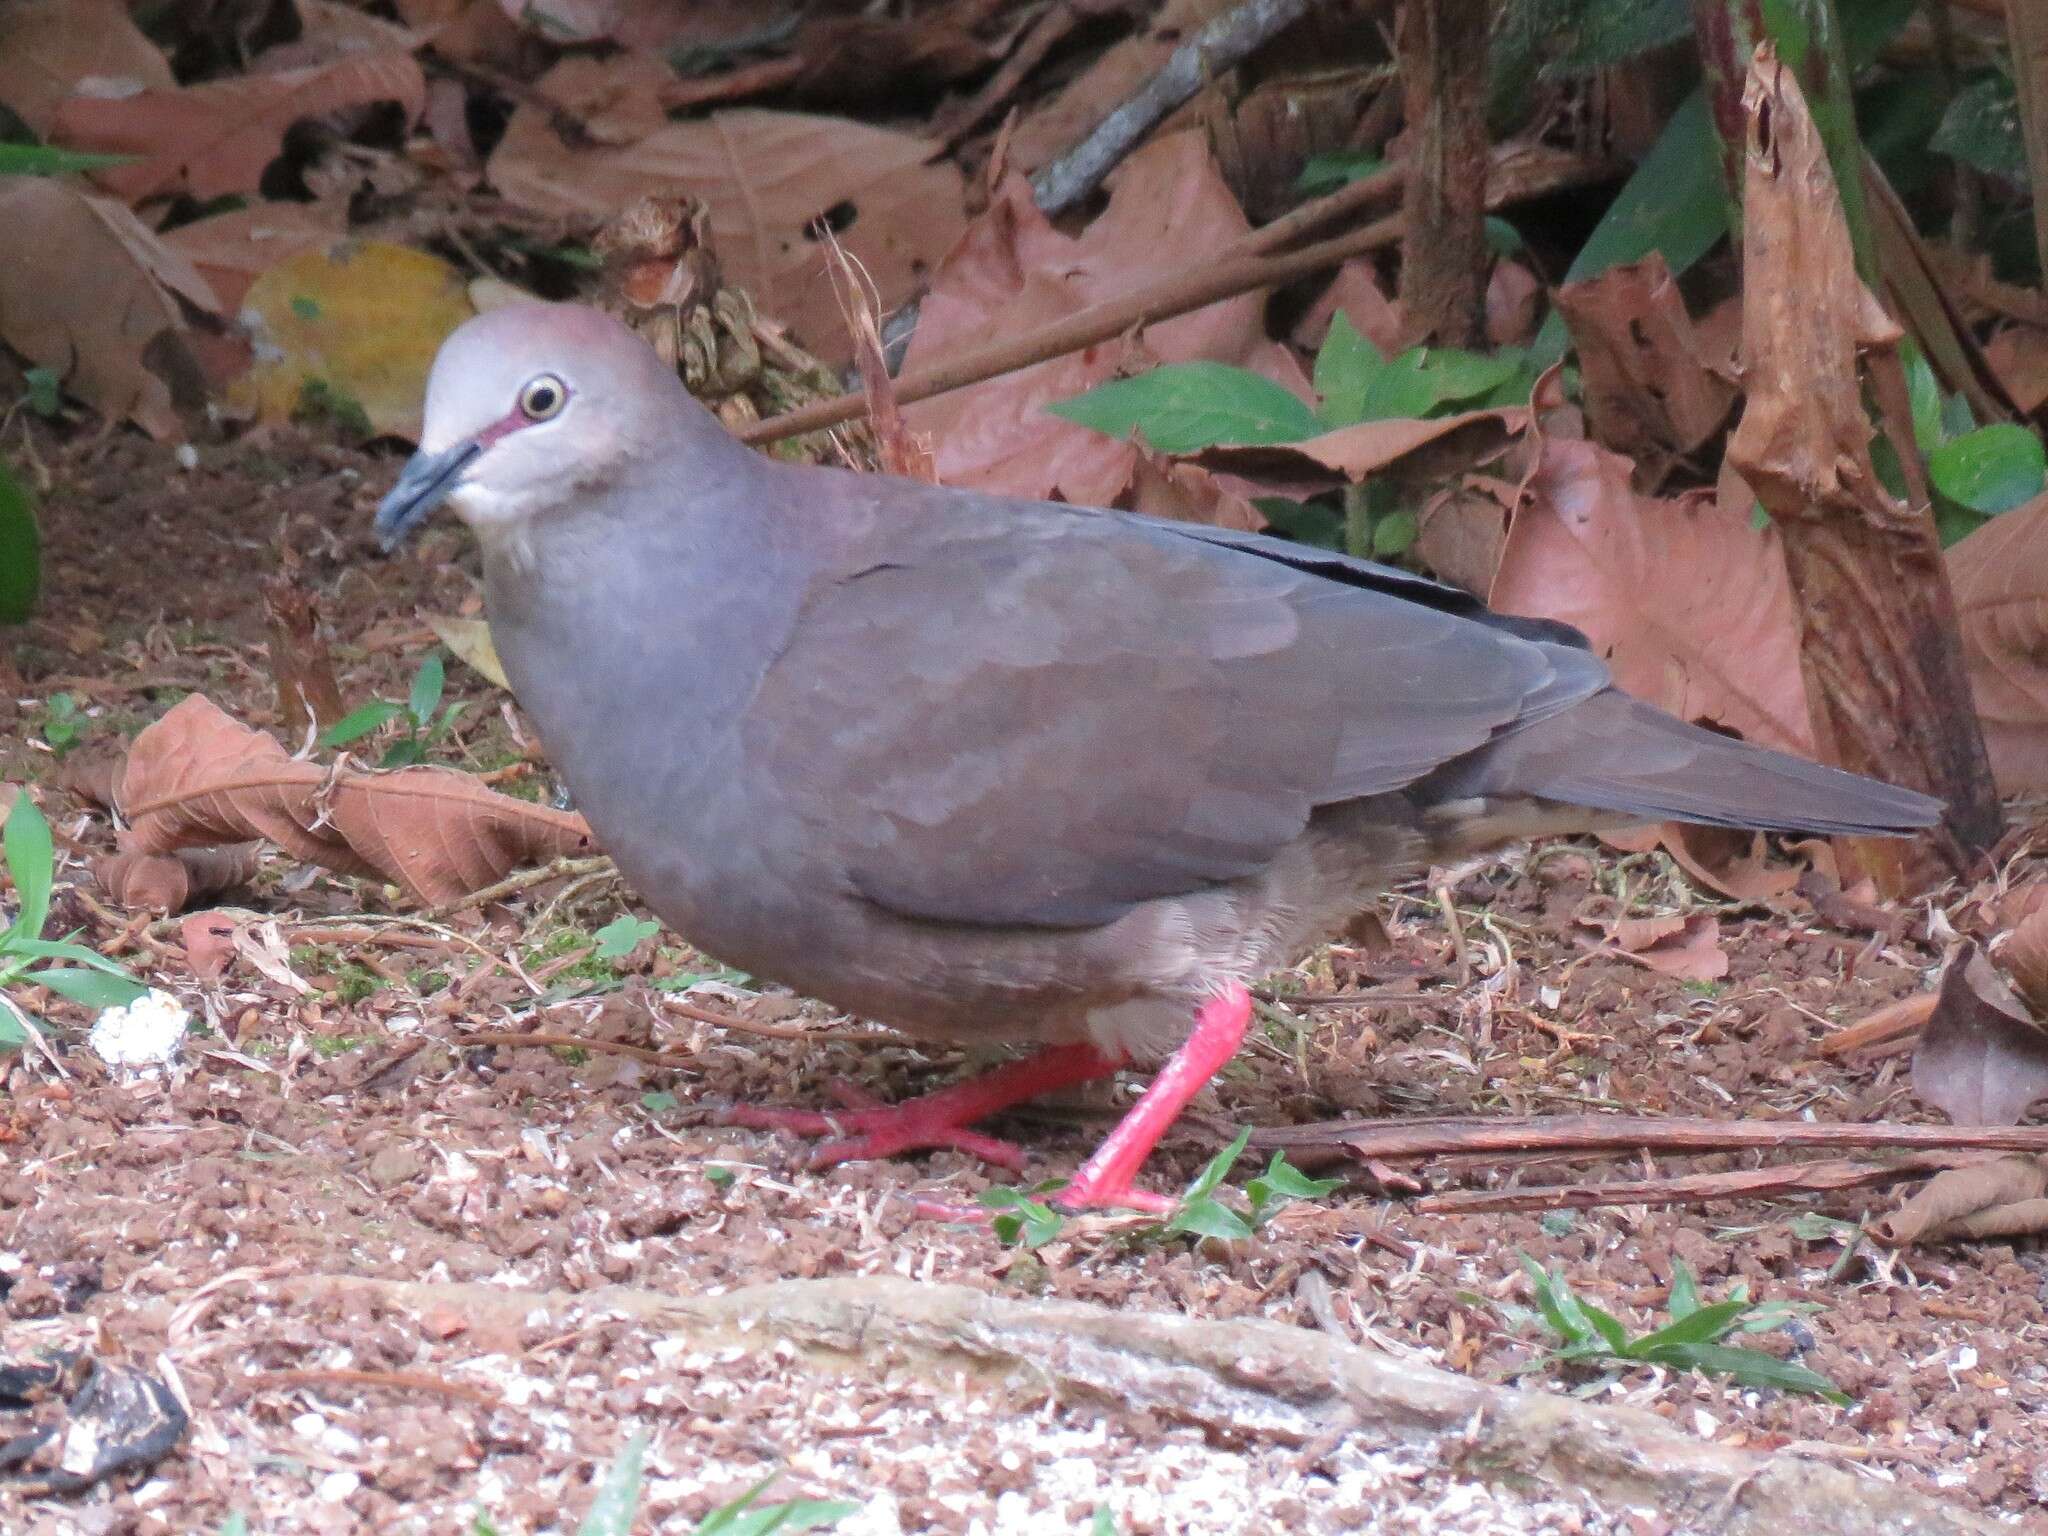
<point>1221,45</point>
<point>1438,1136</point>
<point>575,1043</point>
<point>1693,1188</point>
<point>562,868</point>
<point>1892,1023</point>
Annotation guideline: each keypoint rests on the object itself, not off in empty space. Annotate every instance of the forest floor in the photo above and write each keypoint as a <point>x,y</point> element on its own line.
<point>330,1122</point>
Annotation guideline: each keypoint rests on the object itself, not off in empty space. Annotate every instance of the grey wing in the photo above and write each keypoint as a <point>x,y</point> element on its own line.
<point>1049,724</point>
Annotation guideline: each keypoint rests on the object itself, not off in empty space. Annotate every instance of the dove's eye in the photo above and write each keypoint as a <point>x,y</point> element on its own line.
<point>543,397</point>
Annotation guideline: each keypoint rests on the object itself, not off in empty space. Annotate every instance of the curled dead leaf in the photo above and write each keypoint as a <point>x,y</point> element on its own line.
<point>2001,1197</point>
<point>1686,945</point>
<point>2025,958</point>
<point>168,882</point>
<point>1982,1057</point>
<point>198,777</point>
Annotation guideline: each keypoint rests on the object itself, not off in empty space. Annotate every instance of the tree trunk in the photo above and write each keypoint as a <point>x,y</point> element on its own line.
<point>1442,48</point>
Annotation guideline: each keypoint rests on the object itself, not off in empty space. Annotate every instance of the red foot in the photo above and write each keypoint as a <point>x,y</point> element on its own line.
<point>1104,1181</point>
<point>867,1129</point>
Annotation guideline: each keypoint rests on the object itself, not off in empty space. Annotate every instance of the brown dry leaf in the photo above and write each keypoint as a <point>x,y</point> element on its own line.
<point>167,882</point>
<point>2019,356</point>
<point>1187,493</point>
<point>1681,944</point>
<point>1355,292</point>
<point>231,250</point>
<point>1736,864</point>
<point>1462,529</point>
<point>197,777</point>
<point>2001,1197</point>
<point>52,48</point>
<point>1514,300</point>
<point>1012,271</point>
<point>1434,449</point>
<point>209,940</point>
<point>2000,576</point>
<point>2025,958</point>
<point>88,291</point>
<point>1686,601</point>
<point>215,138</point>
<point>1056,126</point>
<point>471,643</point>
<point>848,61</point>
<point>768,179</point>
<point>1982,1058</point>
<point>1651,389</point>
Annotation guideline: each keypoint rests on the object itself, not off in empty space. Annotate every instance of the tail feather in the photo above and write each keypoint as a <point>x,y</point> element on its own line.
<point>1614,753</point>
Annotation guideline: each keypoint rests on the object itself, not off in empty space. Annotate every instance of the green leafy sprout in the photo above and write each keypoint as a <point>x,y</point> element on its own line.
<point>1024,1217</point>
<point>1694,1340</point>
<point>617,1503</point>
<point>88,978</point>
<point>419,723</point>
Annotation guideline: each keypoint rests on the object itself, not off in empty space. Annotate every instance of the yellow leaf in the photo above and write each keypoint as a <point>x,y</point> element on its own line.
<point>353,326</point>
<point>470,640</point>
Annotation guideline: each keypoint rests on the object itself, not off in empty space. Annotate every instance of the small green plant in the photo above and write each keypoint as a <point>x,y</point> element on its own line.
<point>421,726</point>
<point>1694,1339</point>
<point>619,937</point>
<point>744,1516</point>
<point>21,550</point>
<point>44,397</point>
<point>1203,1215</point>
<point>91,979</point>
<point>63,723</point>
<point>1020,1216</point>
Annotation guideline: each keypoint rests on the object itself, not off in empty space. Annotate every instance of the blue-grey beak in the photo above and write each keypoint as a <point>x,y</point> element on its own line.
<point>422,485</point>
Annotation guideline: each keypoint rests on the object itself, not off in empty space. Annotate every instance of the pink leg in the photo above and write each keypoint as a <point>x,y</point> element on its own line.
<point>934,1119</point>
<point>1105,1179</point>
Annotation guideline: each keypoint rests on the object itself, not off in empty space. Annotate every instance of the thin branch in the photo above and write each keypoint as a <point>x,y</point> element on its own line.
<point>1593,1135</point>
<point>1692,1188</point>
<point>1221,45</point>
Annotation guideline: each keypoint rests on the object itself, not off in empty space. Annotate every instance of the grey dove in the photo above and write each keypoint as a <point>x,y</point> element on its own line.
<point>1009,771</point>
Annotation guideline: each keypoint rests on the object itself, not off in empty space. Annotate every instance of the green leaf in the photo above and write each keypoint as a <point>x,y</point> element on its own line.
<point>1213,1171</point>
<point>21,550</point>
<point>1674,203</point>
<point>1103,1523</point>
<point>1555,1301</point>
<point>615,940</point>
<point>404,754</point>
<point>48,160</point>
<point>1990,470</point>
<point>660,1103</point>
<point>12,1036</point>
<point>236,1524</point>
<point>1502,238</point>
<point>618,1495</point>
<point>1685,1290</point>
<point>1394,535</point>
<point>744,1517</point>
<point>1206,1216</point>
<point>32,863</point>
<point>359,723</point>
<point>95,989</point>
<point>44,396</point>
<point>1981,128</point>
<point>1337,168</point>
<point>427,684</point>
<point>1285,1181</point>
<point>1182,407</point>
<point>1753,1368</point>
<point>1606,1324</point>
<point>1345,368</point>
<point>1019,1218</point>
<point>61,949</point>
<point>1702,1325</point>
